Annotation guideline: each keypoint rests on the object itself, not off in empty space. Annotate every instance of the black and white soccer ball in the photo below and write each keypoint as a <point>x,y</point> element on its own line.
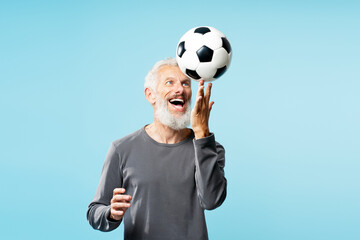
<point>203,53</point>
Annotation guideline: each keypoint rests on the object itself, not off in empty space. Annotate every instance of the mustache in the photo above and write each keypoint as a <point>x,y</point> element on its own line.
<point>183,96</point>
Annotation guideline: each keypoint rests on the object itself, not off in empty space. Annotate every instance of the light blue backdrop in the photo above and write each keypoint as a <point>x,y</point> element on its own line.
<point>287,111</point>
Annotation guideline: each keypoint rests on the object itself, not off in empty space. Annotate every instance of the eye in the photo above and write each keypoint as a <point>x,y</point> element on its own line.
<point>186,84</point>
<point>169,82</point>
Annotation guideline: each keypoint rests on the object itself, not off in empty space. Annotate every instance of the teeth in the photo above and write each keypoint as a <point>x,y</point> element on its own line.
<point>179,100</point>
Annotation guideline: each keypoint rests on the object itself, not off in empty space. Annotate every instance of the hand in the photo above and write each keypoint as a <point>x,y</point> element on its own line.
<point>119,204</point>
<point>201,111</point>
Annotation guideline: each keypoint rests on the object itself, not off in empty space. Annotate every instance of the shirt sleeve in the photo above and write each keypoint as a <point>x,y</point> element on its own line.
<point>209,172</point>
<point>99,209</point>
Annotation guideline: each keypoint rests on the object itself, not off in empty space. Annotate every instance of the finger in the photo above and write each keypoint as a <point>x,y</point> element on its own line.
<point>200,91</point>
<point>202,87</point>
<point>210,105</point>
<point>117,214</point>
<point>119,191</point>
<point>120,205</point>
<point>121,198</point>
<point>197,105</point>
<point>208,92</point>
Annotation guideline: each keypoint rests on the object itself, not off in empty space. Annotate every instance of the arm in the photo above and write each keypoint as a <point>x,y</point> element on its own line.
<point>98,213</point>
<point>209,155</point>
<point>209,172</point>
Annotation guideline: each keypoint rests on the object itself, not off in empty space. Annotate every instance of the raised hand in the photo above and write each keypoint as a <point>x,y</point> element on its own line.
<point>201,111</point>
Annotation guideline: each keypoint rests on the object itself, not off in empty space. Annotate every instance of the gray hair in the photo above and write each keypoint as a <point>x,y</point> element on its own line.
<point>151,77</point>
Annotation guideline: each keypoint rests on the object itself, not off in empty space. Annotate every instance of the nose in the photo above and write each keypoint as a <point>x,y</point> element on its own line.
<point>179,88</point>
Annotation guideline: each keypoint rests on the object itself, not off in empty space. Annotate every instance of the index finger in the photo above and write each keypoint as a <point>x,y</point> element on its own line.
<point>118,191</point>
<point>200,91</point>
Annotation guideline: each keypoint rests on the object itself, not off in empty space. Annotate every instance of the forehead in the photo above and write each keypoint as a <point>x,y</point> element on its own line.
<point>171,72</point>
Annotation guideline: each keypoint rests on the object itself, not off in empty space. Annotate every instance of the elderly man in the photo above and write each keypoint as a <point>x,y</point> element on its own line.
<point>161,178</point>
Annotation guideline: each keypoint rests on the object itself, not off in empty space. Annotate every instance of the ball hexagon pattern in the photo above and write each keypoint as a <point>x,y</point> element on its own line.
<point>203,53</point>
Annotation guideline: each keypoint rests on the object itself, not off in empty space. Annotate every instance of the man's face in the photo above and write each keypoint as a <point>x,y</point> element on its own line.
<point>173,98</point>
<point>174,87</point>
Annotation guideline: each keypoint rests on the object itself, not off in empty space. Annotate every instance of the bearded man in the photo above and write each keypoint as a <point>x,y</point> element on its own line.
<point>161,178</point>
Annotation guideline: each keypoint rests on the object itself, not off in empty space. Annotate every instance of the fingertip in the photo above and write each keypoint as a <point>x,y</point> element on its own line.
<point>118,191</point>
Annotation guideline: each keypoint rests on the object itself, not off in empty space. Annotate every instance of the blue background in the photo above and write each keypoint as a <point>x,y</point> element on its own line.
<point>287,111</point>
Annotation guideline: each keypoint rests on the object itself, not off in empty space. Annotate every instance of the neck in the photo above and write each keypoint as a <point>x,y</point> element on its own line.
<point>165,134</point>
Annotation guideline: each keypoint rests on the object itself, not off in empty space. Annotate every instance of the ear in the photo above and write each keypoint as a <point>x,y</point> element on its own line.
<point>150,96</point>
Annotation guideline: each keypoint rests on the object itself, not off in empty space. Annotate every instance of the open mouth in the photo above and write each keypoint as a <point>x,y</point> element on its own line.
<point>177,103</point>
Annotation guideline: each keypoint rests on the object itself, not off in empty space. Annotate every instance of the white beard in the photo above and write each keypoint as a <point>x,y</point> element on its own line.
<point>166,118</point>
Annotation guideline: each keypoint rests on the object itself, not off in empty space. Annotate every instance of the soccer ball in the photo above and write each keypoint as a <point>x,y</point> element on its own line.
<point>203,53</point>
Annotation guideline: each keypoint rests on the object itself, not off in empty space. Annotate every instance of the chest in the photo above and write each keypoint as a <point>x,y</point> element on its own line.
<point>160,168</point>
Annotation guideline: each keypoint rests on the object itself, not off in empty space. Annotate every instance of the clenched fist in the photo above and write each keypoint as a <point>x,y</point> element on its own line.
<point>119,204</point>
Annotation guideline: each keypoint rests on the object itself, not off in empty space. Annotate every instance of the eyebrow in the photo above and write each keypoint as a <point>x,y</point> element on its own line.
<point>171,78</point>
<point>185,79</point>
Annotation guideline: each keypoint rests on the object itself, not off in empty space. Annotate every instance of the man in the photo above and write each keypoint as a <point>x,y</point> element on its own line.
<point>159,179</point>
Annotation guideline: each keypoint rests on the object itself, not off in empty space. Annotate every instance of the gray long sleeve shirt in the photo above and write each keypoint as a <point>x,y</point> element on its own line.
<point>170,185</point>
